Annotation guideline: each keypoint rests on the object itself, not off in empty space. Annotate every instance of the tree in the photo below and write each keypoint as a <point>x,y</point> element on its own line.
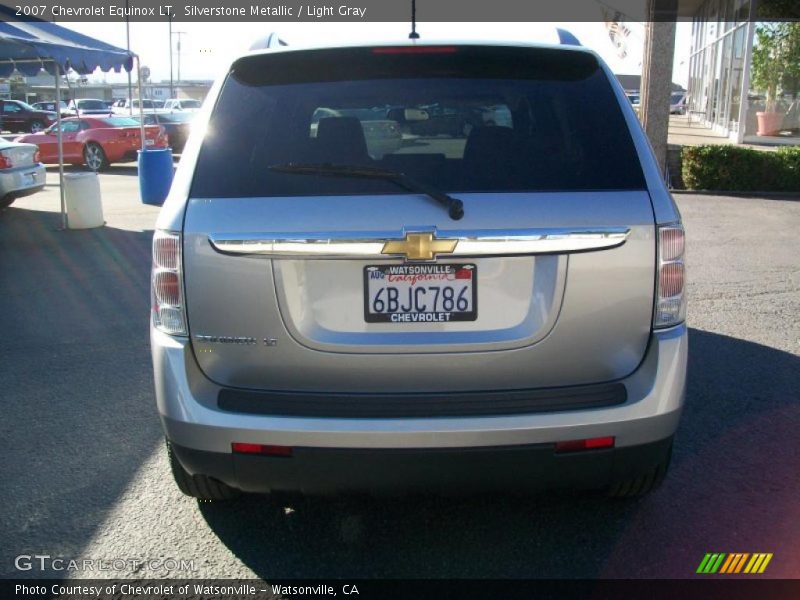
<point>776,59</point>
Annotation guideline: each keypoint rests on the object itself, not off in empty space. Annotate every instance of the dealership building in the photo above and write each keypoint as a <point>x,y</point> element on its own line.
<point>719,74</point>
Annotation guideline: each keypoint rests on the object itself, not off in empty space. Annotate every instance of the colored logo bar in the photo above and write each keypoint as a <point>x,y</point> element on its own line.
<point>737,562</point>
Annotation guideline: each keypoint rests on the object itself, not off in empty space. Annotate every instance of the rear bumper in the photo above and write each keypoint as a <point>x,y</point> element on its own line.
<point>413,470</point>
<point>429,453</point>
<point>22,181</point>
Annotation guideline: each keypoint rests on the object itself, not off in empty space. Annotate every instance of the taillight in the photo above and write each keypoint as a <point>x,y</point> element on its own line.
<point>671,297</point>
<point>167,304</point>
<point>37,156</point>
<point>5,161</point>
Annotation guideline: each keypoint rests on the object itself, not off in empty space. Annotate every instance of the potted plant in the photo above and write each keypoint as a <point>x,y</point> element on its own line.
<point>777,49</point>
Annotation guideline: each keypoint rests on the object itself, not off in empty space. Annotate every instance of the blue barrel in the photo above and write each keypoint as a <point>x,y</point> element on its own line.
<point>155,175</point>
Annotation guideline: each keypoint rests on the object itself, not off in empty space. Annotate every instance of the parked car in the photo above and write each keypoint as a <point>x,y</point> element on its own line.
<point>182,104</point>
<point>50,106</point>
<point>88,106</point>
<point>126,106</point>
<point>438,119</point>
<point>21,172</point>
<point>677,103</point>
<point>18,116</point>
<point>504,310</point>
<point>382,135</point>
<point>95,141</point>
<point>175,125</point>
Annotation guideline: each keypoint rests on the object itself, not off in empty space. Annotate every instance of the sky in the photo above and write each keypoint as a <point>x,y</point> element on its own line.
<point>207,48</point>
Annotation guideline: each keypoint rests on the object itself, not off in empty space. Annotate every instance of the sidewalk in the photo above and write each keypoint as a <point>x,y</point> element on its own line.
<point>683,132</point>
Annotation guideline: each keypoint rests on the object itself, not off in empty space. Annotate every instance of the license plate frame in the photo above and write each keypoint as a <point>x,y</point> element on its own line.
<point>428,276</point>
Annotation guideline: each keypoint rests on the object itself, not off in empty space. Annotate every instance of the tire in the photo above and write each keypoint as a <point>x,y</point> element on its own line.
<point>644,483</point>
<point>198,486</point>
<point>37,126</point>
<point>94,157</point>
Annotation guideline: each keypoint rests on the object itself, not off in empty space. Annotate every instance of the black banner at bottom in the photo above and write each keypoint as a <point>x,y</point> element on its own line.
<point>719,587</point>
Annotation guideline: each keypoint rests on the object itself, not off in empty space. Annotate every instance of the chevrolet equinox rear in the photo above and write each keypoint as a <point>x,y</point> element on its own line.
<point>361,283</point>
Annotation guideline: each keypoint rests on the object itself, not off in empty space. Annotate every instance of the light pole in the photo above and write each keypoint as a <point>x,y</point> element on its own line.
<point>171,94</point>
<point>179,34</point>
<point>128,45</point>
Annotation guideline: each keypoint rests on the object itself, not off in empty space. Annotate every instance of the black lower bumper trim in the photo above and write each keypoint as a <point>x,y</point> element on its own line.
<point>418,470</point>
<point>411,405</point>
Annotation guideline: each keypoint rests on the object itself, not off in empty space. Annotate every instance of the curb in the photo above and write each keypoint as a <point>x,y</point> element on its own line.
<point>755,194</point>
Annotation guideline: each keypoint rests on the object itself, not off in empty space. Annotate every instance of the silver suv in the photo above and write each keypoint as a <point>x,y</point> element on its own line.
<point>492,307</point>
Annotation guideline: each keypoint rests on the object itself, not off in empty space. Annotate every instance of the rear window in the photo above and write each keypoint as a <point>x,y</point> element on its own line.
<point>91,104</point>
<point>176,118</point>
<point>463,119</point>
<point>120,122</point>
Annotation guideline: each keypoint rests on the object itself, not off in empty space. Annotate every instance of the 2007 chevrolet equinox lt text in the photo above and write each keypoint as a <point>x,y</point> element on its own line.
<point>418,267</point>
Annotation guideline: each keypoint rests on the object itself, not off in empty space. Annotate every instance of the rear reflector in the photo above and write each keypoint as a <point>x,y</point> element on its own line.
<point>589,444</point>
<point>416,50</point>
<point>267,450</point>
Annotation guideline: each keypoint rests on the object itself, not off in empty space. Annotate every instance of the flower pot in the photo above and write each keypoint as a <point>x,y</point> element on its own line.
<point>769,123</point>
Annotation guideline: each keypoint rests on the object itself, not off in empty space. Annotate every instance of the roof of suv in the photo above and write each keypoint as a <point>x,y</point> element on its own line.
<point>404,43</point>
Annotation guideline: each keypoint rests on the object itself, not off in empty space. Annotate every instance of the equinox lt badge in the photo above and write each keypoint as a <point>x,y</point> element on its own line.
<point>230,339</point>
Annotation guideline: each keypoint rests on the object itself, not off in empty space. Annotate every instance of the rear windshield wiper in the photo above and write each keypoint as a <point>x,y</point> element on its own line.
<point>454,206</point>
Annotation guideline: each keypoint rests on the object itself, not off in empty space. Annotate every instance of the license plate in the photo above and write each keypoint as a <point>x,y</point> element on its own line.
<point>149,142</point>
<point>420,293</point>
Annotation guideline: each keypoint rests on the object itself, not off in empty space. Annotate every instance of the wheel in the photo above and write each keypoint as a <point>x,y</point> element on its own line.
<point>198,486</point>
<point>37,126</point>
<point>643,483</point>
<point>94,157</point>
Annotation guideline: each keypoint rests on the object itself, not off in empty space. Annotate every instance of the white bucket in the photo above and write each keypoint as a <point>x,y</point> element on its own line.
<point>82,197</point>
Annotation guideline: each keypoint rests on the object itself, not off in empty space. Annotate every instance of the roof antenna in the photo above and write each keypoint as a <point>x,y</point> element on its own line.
<point>413,35</point>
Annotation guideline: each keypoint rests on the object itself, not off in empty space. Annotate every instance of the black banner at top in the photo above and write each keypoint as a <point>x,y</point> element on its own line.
<point>387,10</point>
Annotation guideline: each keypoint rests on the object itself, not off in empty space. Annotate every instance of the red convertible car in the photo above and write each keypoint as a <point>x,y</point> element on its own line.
<point>95,142</point>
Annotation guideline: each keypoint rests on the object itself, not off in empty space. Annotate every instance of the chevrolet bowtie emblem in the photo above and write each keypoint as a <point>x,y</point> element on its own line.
<point>419,246</point>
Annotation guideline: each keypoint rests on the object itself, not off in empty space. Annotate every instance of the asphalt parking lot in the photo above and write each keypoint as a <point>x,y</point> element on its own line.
<point>85,476</point>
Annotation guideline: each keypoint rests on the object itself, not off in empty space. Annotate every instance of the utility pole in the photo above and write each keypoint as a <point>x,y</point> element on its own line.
<point>128,45</point>
<point>179,34</point>
<point>171,93</point>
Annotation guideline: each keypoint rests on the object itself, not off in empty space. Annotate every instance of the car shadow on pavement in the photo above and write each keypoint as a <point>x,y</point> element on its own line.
<point>732,487</point>
<point>78,407</point>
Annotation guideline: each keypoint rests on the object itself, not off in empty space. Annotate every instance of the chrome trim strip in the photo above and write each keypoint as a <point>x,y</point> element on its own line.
<point>368,245</point>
